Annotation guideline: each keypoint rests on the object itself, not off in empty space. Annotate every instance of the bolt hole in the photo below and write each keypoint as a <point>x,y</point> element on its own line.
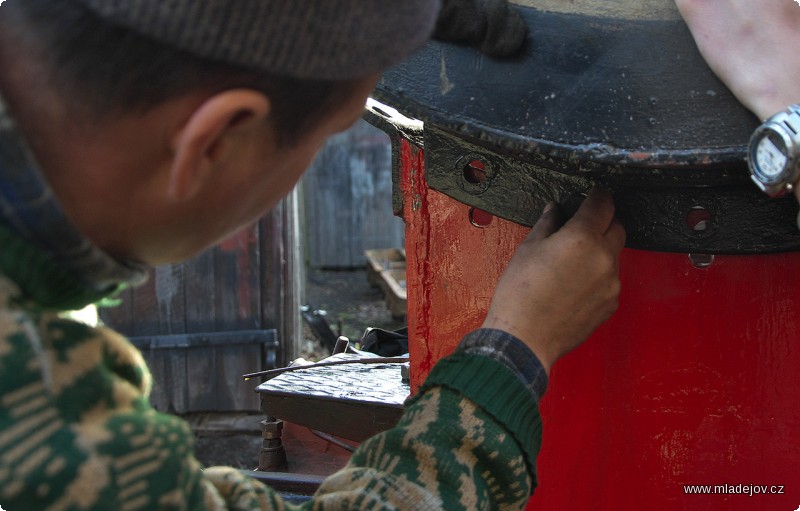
<point>699,219</point>
<point>480,218</point>
<point>475,172</point>
<point>701,260</point>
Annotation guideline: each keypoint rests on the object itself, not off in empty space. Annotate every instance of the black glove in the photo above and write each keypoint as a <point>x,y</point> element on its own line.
<point>492,26</point>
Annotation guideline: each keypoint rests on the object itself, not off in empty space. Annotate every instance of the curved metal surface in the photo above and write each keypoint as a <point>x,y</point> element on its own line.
<point>610,93</point>
<point>693,382</point>
<point>616,90</point>
<point>690,210</point>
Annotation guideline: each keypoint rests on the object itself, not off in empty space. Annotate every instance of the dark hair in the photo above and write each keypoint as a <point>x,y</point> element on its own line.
<point>109,69</point>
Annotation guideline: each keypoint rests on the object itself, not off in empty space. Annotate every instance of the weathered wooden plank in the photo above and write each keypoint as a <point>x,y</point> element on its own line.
<point>168,369</point>
<point>170,298</point>
<point>230,288</point>
<point>282,276</point>
<point>241,395</point>
<point>200,293</point>
<point>145,309</point>
<point>237,282</point>
<point>348,199</point>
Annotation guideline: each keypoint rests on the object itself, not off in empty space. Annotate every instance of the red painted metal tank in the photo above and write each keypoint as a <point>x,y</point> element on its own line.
<point>693,385</point>
<point>689,397</point>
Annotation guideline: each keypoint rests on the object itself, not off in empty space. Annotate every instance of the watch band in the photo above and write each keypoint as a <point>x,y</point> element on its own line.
<point>784,125</point>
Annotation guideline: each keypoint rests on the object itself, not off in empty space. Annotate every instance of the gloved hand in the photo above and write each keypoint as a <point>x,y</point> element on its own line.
<point>492,26</point>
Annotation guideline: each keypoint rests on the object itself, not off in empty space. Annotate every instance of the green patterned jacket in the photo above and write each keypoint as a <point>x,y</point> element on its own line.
<point>77,431</point>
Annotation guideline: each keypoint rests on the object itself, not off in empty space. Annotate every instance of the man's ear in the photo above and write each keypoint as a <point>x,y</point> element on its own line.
<point>206,137</point>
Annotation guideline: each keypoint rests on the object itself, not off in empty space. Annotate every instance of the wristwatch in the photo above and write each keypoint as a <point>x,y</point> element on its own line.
<point>773,154</point>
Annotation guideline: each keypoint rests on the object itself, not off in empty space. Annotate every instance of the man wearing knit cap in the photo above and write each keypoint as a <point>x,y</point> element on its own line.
<point>135,133</point>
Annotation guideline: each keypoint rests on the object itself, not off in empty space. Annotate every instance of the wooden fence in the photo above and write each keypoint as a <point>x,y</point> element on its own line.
<point>203,323</point>
<point>348,199</point>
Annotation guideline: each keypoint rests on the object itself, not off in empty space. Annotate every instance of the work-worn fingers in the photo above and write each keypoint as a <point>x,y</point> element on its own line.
<point>596,213</point>
<point>548,223</point>
<point>616,236</point>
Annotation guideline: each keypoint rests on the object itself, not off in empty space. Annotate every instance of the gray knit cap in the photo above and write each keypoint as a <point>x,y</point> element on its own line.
<point>325,39</point>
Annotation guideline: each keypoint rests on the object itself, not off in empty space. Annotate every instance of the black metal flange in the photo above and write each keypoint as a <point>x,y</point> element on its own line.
<point>625,102</point>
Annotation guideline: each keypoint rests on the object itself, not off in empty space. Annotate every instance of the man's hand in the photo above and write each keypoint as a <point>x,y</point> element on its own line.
<point>752,47</point>
<point>562,283</point>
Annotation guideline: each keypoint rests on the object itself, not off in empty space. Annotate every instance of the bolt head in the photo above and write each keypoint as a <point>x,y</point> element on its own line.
<point>271,429</point>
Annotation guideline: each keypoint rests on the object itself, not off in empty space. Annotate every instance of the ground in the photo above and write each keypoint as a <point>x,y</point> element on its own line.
<point>352,305</point>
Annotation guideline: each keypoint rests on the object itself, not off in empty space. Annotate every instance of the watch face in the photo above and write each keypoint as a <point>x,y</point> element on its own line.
<point>771,156</point>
